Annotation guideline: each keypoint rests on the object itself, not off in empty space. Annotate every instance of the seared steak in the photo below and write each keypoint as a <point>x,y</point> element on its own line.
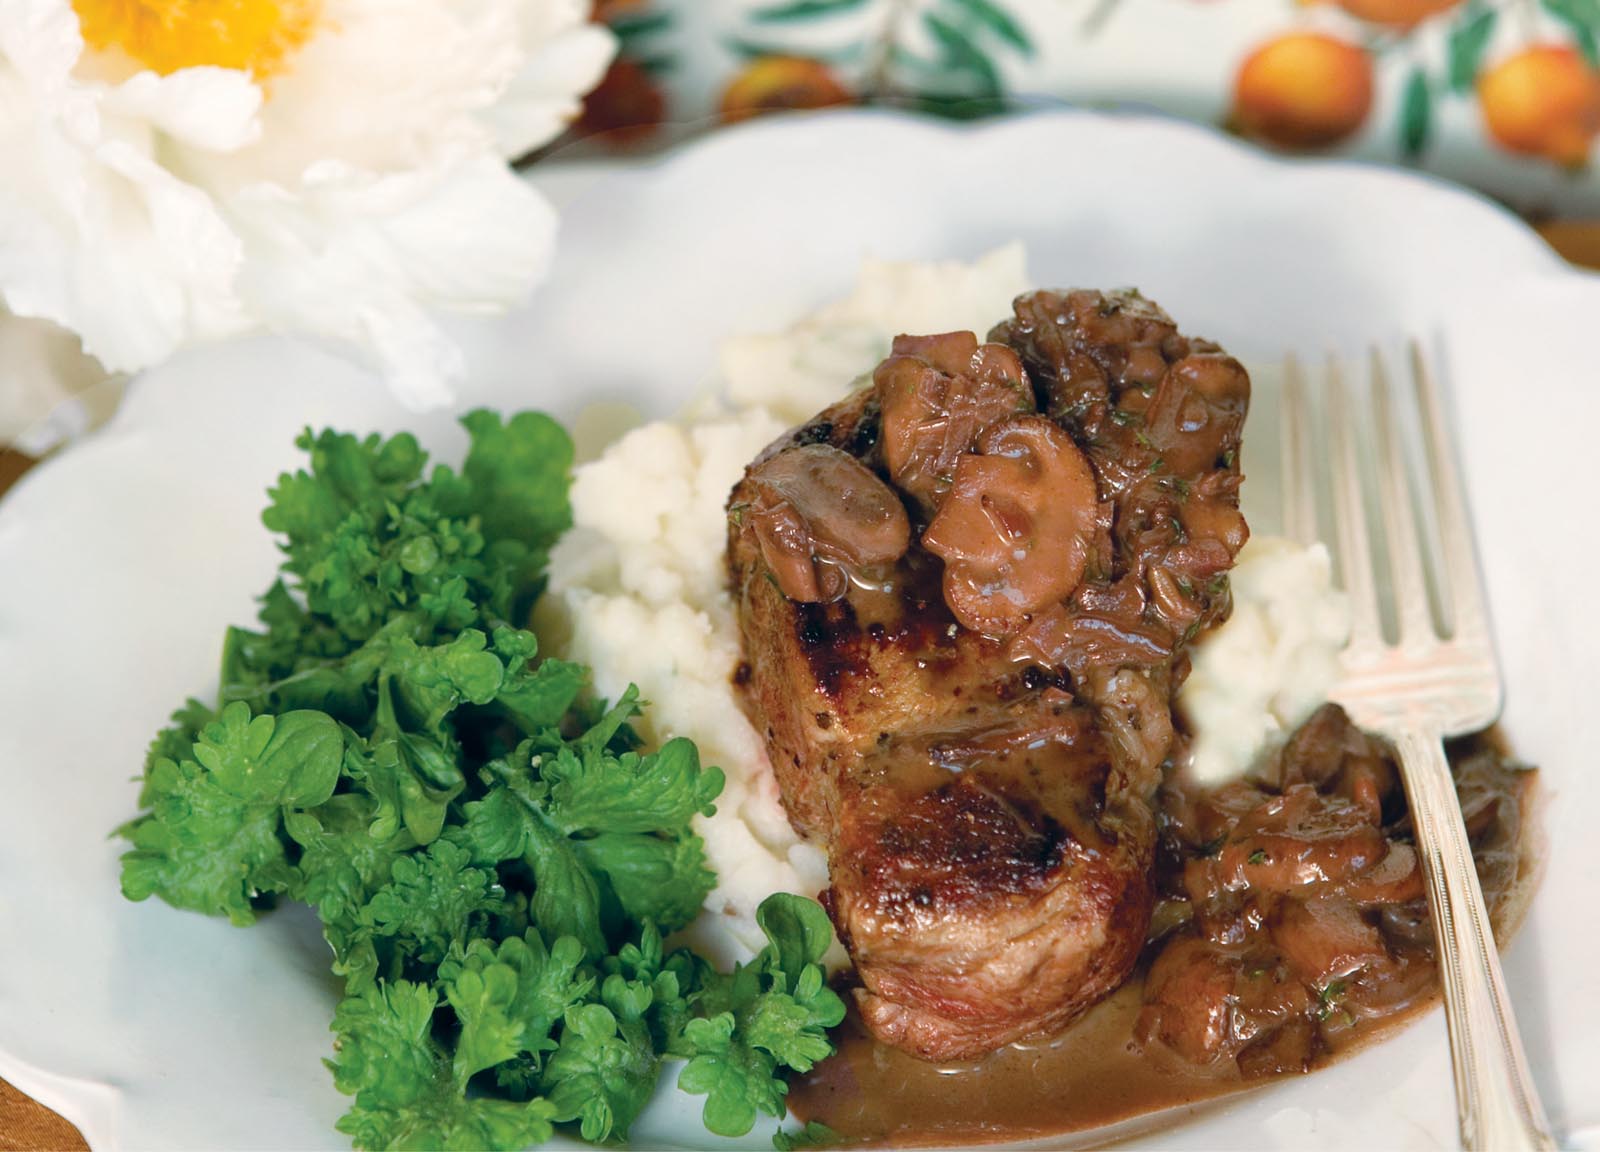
<point>964,595</point>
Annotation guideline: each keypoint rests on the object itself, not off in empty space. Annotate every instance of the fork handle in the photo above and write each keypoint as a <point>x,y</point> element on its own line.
<point>1496,1103</point>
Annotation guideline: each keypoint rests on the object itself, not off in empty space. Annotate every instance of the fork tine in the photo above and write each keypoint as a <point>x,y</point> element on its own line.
<point>1399,519</point>
<point>1460,580</point>
<point>1299,494</point>
<point>1349,513</point>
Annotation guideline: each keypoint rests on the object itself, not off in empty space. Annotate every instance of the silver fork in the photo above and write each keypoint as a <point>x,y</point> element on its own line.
<point>1430,683</point>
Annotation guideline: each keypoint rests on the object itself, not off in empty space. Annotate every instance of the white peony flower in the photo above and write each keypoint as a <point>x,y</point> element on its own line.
<point>185,171</point>
<point>49,390</point>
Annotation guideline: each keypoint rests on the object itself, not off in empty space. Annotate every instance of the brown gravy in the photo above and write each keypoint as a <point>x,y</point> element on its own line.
<point>1089,1077</point>
<point>1092,1080</point>
<point>1096,1080</point>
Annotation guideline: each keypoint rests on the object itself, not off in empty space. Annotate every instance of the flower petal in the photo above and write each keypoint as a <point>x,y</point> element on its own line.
<point>213,109</point>
<point>49,390</point>
<point>145,267</point>
<point>40,39</point>
<point>420,364</point>
<point>566,58</point>
<point>386,87</point>
<point>356,257</point>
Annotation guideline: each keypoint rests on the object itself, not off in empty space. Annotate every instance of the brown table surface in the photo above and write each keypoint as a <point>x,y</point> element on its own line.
<point>27,1126</point>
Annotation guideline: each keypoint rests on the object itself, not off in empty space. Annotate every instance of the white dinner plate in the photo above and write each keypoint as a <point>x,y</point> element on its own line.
<point>122,561</point>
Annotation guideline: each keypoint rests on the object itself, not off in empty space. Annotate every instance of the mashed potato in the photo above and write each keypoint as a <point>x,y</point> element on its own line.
<point>637,587</point>
<point>1259,675</point>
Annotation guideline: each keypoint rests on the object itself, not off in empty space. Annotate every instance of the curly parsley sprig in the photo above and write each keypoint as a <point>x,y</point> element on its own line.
<point>493,857</point>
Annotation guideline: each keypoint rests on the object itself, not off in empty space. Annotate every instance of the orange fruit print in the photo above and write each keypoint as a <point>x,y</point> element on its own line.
<point>1398,14</point>
<point>1303,90</point>
<point>773,82</point>
<point>1543,101</point>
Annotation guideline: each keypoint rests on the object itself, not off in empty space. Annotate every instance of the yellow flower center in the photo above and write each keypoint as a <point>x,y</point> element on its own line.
<point>255,36</point>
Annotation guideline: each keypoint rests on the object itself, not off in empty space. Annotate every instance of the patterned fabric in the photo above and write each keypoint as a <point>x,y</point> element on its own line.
<point>1500,94</point>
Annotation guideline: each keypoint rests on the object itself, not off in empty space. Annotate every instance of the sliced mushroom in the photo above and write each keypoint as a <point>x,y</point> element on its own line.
<point>1087,637</point>
<point>1217,520</point>
<point>1195,414</point>
<point>1015,527</point>
<point>937,395</point>
<point>820,516</point>
<point>1084,345</point>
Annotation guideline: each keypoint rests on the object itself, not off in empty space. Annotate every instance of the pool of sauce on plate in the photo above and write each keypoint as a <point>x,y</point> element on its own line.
<point>1090,1078</point>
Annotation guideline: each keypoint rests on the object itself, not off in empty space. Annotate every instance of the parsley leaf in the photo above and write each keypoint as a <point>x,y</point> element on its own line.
<point>177,740</point>
<point>630,793</point>
<point>291,759</point>
<point>434,899</point>
<point>604,1070</point>
<point>211,841</point>
<point>658,878</point>
<point>736,1080</point>
<point>519,471</point>
<point>341,862</point>
<point>408,1093</point>
<point>797,932</point>
<point>815,1134</point>
<point>761,1019</point>
<point>202,849</point>
<point>509,998</point>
